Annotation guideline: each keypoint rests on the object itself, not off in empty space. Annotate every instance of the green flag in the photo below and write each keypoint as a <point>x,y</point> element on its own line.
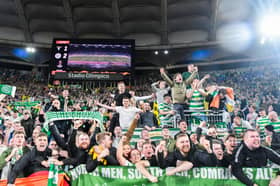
<point>53,175</point>
<point>203,176</point>
<point>8,90</point>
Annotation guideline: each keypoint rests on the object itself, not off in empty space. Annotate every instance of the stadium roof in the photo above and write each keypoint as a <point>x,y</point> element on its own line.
<point>150,22</point>
<point>154,24</point>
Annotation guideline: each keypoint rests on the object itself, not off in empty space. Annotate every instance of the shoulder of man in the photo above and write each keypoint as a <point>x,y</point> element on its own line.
<point>240,150</point>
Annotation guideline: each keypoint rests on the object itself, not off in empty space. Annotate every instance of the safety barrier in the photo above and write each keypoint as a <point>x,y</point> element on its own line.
<point>155,135</point>
<point>193,117</point>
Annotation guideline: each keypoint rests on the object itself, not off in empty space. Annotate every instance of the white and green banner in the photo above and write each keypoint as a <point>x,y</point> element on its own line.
<point>56,116</point>
<point>26,104</point>
<point>130,176</point>
<point>8,90</point>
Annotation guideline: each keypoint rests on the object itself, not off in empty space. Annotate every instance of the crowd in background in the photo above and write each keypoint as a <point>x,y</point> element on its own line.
<point>247,97</point>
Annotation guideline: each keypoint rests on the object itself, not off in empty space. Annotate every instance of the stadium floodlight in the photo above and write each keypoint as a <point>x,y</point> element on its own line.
<point>269,26</point>
<point>30,49</point>
<point>263,40</point>
<point>156,52</point>
<point>166,52</point>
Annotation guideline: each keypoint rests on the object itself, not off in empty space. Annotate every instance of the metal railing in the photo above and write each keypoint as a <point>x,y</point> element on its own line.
<point>193,117</point>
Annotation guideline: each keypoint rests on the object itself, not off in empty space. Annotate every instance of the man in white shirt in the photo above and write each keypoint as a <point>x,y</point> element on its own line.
<point>126,112</point>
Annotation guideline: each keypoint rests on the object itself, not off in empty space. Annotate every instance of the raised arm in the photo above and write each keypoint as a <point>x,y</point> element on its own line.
<point>120,157</point>
<point>200,83</point>
<point>191,78</point>
<point>57,137</point>
<point>142,98</point>
<point>161,154</point>
<point>65,106</point>
<point>132,127</point>
<point>105,106</point>
<point>165,77</point>
<point>72,141</point>
<point>154,86</point>
<point>202,92</point>
<point>190,91</point>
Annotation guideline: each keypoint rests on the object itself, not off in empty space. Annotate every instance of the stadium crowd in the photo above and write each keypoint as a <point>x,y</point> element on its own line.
<point>248,99</point>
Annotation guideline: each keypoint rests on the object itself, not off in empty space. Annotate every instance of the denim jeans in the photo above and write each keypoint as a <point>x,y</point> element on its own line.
<point>179,108</point>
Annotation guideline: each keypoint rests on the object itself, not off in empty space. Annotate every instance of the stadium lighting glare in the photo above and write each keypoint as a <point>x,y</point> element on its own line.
<point>156,52</point>
<point>263,40</point>
<point>166,52</point>
<point>30,49</point>
<point>269,26</point>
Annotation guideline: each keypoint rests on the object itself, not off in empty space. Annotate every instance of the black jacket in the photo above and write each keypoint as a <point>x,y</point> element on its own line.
<point>147,119</point>
<point>228,157</point>
<point>204,159</point>
<point>29,163</point>
<point>275,143</point>
<point>210,138</point>
<point>77,155</point>
<point>111,160</point>
<point>115,121</point>
<point>119,97</point>
<point>172,157</point>
<point>153,161</point>
<point>28,126</point>
<point>244,157</point>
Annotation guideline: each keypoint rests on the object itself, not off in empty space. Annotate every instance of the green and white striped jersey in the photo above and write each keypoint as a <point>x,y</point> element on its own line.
<point>196,102</point>
<point>166,119</point>
<point>261,123</point>
<point>276,126</point>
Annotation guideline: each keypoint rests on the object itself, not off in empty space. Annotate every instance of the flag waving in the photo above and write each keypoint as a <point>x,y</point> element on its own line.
<point>8,90</point>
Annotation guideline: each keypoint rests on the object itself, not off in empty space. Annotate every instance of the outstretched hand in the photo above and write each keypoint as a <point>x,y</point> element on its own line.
<point>137,116</point>
<point>207,76</point>
<point>45,163</point>
<point>104,153</point>
<point>77,124</point>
